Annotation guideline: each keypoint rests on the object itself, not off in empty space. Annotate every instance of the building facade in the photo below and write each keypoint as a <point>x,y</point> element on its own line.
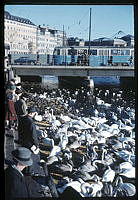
<point>24,37</point>
<point>129,40</point>
<point>20,34</point>
<point>125,41</point>
<point>75,41</point>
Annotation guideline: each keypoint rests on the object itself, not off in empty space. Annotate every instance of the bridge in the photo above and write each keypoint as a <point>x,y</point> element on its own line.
<point>28,70</point>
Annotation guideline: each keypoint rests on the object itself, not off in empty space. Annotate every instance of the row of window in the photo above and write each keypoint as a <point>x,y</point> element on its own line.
<point>21,46</point>
<point>22,52</point>
<point>95,52</point>
<point>15,46</point>
<point>120,52</point>
<point>21,24</point>
<point>41,45</point>
<point>40,39</point>
<point>20,30</point>
<point>18,52</point>
<point>9,34</point>
<point>41,51</point>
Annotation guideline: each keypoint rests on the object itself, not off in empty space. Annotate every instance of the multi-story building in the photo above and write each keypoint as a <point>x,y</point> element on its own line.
<point>129,40</point>
<point>61,38</point>
<point>41,40</point>
<point>24,37</point>
<point>75,41</point>
<point>107,42</point>
<point>57,38</point>
<point>20,34</point>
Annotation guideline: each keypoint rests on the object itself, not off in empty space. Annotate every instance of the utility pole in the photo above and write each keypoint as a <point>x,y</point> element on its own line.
<point>64,46</point>
<point>63,36</point>
<point>89,38</point>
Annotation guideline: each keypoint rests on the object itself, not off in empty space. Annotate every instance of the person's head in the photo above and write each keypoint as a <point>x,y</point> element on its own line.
<point>32,111</point>
<point>24,96</point>
<point>22,157</point>
<point>18,91</point>
<point>11,88</point>
<point>12,81</point>
<point>19,85</point>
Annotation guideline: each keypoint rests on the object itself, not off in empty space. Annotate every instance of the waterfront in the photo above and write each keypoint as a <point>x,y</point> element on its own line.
<point>52,81</point>
<point>86,135</point>
<point>91,127</point>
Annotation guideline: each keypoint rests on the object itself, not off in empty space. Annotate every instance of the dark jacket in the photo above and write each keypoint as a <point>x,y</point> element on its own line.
<point>27,132</point>
<point>20,107</point>
<point>15,185</point>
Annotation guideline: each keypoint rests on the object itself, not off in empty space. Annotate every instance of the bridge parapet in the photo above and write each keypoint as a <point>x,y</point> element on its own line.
<point>27,70</point>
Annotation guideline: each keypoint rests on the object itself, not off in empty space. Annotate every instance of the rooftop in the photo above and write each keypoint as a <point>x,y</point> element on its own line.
<point>7,15</point>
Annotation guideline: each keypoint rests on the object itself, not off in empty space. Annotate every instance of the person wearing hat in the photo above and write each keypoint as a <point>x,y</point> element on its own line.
<point>15,183</point>
<point>27,134</point>
<point>20,105</point>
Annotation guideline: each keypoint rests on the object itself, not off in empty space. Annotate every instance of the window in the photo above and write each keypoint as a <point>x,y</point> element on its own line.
<point>119,52</point>
<point>105,52</point>
<point>132,52</point>
<point>125,52</point>
<point>72,51</point>
<point>100,52</point>
<point>114,52</point>
<point>93,52</point>
<point>58,51</point>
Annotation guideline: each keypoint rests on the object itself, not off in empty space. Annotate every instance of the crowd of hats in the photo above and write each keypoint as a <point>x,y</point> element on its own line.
<point>88,140</point>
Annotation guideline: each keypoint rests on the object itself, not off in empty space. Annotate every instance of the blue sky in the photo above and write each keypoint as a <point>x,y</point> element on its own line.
<point>106,19</point>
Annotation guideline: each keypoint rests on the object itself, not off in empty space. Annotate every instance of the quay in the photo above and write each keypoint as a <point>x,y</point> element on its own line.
<point>27,70</point>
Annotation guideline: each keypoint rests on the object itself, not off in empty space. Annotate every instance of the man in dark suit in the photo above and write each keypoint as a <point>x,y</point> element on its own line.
<point>27,130</point>
<point>28,138</point>
<point>15,183</point>
<point>20,105</point>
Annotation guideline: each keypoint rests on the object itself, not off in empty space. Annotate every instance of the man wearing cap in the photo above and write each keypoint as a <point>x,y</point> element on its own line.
<point>28,138</point>
<point>15,183</point>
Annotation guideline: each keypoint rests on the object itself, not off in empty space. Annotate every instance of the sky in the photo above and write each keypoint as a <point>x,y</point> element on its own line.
<point>106,20</point>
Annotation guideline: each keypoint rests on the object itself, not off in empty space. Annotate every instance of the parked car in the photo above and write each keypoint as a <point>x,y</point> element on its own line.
<point>25,60</point>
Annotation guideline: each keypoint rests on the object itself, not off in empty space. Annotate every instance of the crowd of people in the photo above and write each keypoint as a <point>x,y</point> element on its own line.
<point>26,158</point>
